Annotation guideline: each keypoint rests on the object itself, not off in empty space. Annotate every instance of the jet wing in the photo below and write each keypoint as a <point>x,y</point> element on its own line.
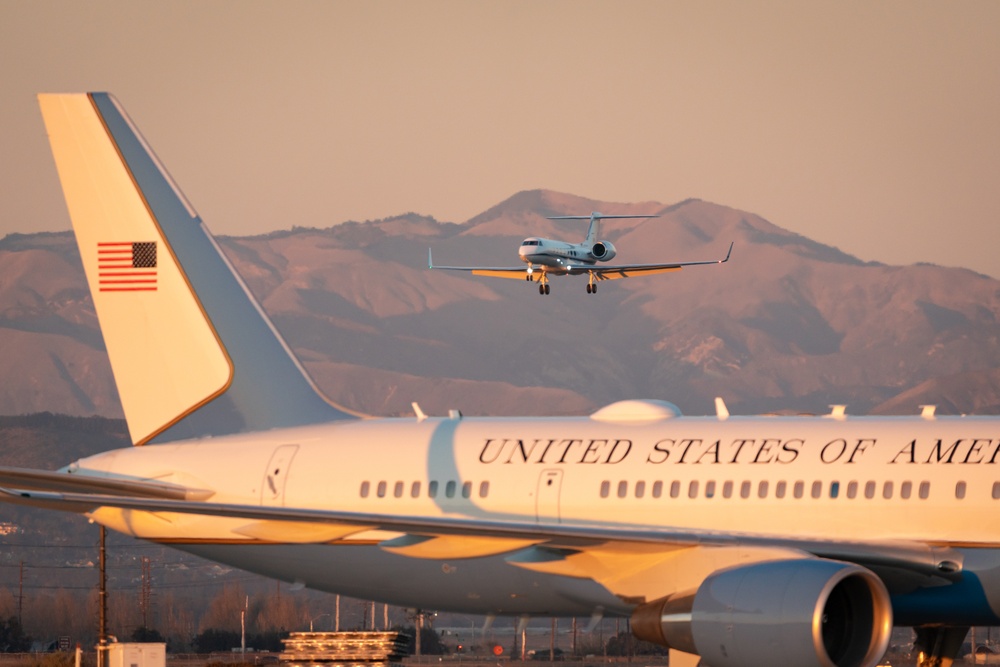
<point>615,272</point>
<point>515,272</point>
<point>54,481</point>
<point>927,564</point>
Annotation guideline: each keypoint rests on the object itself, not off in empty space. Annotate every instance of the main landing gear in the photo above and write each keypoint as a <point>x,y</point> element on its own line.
<point>591,285</point>
<point>543,288</point>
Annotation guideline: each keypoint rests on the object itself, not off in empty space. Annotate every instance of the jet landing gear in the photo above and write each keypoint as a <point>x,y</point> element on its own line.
<point>591,285</point>
<point>543,288</point>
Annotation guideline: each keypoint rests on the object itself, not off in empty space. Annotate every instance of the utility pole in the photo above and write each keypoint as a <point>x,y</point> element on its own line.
<point>552,641</point>
<point>20,595</point>
<point>420,630</point>
<point>243,629</point>
<point>102,630</point>
<point>145,592</point>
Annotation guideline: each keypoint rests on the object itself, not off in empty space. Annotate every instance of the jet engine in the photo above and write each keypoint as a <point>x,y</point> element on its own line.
<point>603,250</point>
<point>791,612</point>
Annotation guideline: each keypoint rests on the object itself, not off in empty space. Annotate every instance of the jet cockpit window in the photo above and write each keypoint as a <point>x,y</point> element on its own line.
<point>531,242</point>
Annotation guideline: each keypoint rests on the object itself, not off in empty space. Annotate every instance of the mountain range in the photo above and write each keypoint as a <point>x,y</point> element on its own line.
<point>788,325</point>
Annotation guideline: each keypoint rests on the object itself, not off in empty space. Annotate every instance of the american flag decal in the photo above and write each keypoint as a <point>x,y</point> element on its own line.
<point>126,267</point>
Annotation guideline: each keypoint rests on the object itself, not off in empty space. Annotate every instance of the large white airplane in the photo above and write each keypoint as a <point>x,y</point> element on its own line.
<point>746,541</point>
<point>544,257</point>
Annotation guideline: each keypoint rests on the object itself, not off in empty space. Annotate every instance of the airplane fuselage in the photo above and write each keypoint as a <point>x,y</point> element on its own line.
<point>558,257</point>
<point>830,480</point>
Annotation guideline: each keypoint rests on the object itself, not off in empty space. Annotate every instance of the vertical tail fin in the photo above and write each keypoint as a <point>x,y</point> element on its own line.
<point>192,352</point>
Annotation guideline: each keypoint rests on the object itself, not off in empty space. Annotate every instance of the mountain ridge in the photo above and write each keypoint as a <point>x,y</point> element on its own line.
<point>789,324</point>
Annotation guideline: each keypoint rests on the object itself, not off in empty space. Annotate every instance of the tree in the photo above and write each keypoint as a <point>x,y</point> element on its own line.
<point>225,610</point>
<point>212,640</point>
<point>144,634</point>
<point>12,637</point>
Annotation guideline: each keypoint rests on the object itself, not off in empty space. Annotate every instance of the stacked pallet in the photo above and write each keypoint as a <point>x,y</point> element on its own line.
<point>344,649</point>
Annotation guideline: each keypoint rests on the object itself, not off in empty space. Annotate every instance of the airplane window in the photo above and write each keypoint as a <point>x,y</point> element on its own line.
<point>709,489</point>
<point>675,489</point>
<point>905,489</point>
<point>925,490</point>
<point>996,490</point>
<point>887,490</point>
<point>817,489</point>
<point>852,490</point>
<point>365,488</point>
<point>605,489</point>
<point>484,489</point>
<point>745,490</point>
<point>779,489</point>
<point>798,489</point>
<point>467,490</point>
<point>640,489</point>
<point>727,489</point>
<point>834,489</point>
<point>397,490</point>
<point>381,489</point>
<point>869,490</point>
<point>693,489</point>
<point>449,489</point>
<point>622,489</point>
<point>960,490</point>
<point>657,489</point>
<point>415,490</point>
<point>432,489</point>
<point>762,489</point>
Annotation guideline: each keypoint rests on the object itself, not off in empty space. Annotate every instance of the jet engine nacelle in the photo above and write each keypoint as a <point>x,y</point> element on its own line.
<point>603,250</point>
<point>791,612</point>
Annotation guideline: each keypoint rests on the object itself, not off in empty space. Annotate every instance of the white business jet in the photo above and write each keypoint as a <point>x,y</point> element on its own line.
<point>746,541</point>
<point>545,257</point>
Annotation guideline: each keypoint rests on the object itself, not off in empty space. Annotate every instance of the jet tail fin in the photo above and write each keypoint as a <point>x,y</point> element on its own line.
<point>192,352</point>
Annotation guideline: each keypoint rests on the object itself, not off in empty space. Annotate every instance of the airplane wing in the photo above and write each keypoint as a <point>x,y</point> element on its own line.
<point>514,272</point>
<point>45,480</point>
<point>601,272</point>
<point>615,272</point>
<point>435,536</point>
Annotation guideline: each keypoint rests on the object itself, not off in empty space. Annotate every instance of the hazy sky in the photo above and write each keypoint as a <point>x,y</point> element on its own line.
<point>870,126</point>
